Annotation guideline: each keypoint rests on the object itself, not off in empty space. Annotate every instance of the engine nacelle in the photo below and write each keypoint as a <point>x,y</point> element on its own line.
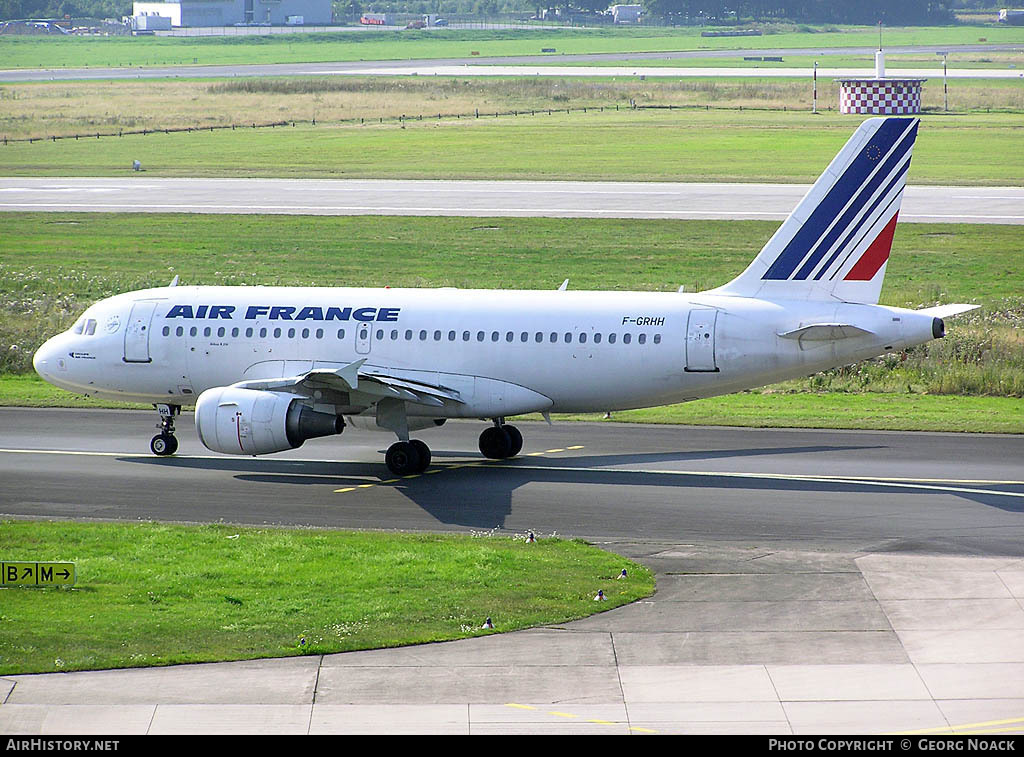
<point>250,422</point>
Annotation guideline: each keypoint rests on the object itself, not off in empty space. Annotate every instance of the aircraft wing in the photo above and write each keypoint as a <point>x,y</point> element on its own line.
<point>353,379</point>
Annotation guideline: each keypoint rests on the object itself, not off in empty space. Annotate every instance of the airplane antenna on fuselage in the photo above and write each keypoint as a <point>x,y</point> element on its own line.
<point>565,285</point>
<point>174,281</point>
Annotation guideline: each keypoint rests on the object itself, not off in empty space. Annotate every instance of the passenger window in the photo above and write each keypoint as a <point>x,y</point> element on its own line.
<point>597,338</point>
<point>524,337</point>
<point>263,333</point>
<point>408,335</point>
<point>423,335</point>
<point>538,337</point>
<point>277,333</point>
<point>291,333</point>
<point>465,336</point>
<point>568,337</point>
<point>319,333</point>
<point>220,331</point>
<point>437,336</point>
<point>305,333</point>
<point>657,338</point>
<point>380,334</point>
<point>234,332</point>
<point>553,338</point>
<point>494,336</point>
<point>451,336</point>
<point>509,336</point>
<point>612,338</point>
<point>248,333</point>
<point>341,334</point>
<point>394,335</point>
<point>642,339</point>
<point>627,338</point>
<point>479,336</point>
<point>207,331</point>
<point>583,338</point>
<point>167,330</point>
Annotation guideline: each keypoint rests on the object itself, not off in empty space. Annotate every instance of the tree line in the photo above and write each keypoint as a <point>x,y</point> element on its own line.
<point>682,12</point>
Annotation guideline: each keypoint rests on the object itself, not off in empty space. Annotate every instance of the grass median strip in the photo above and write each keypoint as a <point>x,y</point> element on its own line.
<point>150,594</point>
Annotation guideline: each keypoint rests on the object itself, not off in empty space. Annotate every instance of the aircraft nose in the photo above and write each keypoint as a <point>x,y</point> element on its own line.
<point>44,361</point>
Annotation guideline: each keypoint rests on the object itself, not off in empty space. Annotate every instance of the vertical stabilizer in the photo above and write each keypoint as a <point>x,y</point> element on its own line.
<point>835,244</point>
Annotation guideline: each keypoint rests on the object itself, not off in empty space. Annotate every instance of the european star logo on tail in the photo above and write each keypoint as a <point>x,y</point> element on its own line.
<point>835,244</point>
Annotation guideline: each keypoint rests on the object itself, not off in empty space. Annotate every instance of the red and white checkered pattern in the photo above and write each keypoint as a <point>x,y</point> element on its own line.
<point>880,96</point>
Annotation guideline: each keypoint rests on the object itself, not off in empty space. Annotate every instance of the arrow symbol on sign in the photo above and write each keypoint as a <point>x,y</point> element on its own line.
<point>64,573</point>
<point>27,573</point>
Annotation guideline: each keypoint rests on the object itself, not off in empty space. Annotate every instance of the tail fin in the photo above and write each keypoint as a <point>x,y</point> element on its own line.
<point>835,245</point>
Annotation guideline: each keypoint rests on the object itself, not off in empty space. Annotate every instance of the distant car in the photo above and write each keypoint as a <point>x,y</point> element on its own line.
<point>441,22</point>
<point>415,25</point>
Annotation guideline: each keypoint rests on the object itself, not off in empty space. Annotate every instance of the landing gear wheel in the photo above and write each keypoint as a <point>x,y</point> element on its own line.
<point>163,444</point>
<point>495,443</point>
<point>424,452</point>
<point>403,459</point>
<point>515,438</point>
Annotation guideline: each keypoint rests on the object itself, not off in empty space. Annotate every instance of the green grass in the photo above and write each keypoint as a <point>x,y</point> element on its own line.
<point>642,145</point>
<point>150,594</point>
<point>871,410</point>
<point>43,52</point>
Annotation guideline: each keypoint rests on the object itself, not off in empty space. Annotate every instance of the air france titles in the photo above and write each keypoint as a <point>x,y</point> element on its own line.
<point>284,313</point>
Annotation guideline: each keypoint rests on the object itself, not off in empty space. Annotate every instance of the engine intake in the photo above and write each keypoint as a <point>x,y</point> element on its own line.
<point>250,422</point>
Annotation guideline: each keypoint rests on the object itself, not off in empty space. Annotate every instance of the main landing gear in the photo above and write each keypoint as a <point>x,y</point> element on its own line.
<point>501,441</point>
<point>497,442</point>
<point>165,443</point>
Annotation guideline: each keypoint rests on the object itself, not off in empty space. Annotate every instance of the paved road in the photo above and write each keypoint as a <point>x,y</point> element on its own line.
<point>815,488</point>
<point>353,67</point>
<point>139,193</point>
<point>808,581</point>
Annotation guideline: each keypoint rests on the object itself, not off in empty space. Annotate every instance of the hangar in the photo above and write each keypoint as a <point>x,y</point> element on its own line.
<point>237,12</point>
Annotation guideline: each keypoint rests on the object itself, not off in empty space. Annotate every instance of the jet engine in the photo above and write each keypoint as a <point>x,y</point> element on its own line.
<point>250,422</point>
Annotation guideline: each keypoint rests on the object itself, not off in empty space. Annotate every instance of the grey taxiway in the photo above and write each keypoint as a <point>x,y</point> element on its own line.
<point>808,581</point>
<point>138,193</point>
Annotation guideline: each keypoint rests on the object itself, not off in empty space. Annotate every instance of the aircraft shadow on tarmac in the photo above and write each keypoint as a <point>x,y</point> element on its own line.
<point>478,493</point>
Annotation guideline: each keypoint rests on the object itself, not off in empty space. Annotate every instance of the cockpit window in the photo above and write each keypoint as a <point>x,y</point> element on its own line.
<point>77,328</point>
<point>90,327</point>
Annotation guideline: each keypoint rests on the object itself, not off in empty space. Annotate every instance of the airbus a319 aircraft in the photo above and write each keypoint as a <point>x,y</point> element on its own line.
<point>270,367</point>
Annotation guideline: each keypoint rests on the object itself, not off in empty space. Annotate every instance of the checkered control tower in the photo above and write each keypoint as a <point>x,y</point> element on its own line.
<point>880,95</point>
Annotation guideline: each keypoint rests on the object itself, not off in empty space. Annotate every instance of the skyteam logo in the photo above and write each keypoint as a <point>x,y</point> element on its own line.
<point>849,234</point>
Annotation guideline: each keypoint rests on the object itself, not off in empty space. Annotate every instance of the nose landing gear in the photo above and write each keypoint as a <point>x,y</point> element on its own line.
<point>165,443</point>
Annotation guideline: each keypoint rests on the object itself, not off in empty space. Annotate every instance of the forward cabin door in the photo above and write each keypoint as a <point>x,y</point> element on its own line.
<point>136,336</point>
<point>700,340</point>
<point>364,338</point>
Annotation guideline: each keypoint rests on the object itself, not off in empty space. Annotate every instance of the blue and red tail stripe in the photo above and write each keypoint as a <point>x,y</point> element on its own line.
<point>848,209</point>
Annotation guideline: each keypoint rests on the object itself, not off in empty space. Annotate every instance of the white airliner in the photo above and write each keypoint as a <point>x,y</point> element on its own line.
<point>270,367</point>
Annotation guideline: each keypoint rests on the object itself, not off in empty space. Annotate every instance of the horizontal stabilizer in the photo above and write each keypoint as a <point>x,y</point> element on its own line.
<point>826,332</point>
<point>948,311</point>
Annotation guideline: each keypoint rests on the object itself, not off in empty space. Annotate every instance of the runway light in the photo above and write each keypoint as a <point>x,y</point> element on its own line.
<point>530,539</point>
<point>487,624</point>
<point>600,596</point>
<point>623,574</point>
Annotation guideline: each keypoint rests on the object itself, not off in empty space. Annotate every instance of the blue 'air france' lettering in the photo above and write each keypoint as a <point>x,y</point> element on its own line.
<point>285,313</point>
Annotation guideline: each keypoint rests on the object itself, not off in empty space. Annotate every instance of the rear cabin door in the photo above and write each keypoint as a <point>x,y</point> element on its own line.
<point>700,340</point>
<point>136,336</point>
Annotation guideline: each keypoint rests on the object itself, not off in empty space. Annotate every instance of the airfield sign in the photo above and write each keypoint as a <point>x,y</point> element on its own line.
<point>37,574</point>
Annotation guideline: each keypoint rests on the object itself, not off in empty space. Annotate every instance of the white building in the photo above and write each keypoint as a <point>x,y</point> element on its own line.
<point>231,12</point>
<point>625,14</point>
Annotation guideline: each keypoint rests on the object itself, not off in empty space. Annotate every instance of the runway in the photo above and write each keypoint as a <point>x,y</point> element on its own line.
<point>809,582</point>
<point>141,194</point>
<point>396,67</point>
